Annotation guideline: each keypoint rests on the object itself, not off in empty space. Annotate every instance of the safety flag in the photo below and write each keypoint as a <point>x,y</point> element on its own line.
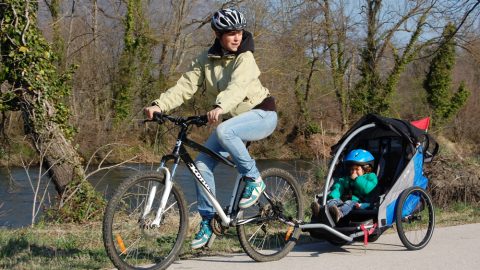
<point>422,123</point>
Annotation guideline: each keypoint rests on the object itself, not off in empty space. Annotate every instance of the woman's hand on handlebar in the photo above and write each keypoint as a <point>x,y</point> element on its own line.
<point>155,113</point>
<point>150,110</point>
<point>214,115</point>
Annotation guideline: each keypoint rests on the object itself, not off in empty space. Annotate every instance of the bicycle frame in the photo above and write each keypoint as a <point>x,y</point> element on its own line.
<point>180,153</point>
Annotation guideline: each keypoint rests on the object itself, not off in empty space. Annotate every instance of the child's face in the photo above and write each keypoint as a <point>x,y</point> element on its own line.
<point>355,171</point>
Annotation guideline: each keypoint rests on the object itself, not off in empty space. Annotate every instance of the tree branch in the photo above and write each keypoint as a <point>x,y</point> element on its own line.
<point>389,34</point>
<point>27,5</point>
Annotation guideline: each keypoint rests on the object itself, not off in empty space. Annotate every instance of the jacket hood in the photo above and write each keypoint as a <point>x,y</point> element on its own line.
<point>246,45</point>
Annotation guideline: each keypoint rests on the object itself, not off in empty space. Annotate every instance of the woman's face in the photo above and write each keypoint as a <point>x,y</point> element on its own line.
<point>231,40</point>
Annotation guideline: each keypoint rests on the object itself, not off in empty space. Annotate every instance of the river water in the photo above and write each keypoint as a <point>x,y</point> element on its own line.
<point>17,187</point>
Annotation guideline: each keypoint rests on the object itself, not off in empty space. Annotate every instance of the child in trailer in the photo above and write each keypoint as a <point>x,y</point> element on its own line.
<point>351,191</point>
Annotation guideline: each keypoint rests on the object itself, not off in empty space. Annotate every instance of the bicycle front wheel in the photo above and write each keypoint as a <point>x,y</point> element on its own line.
<point>130,240</point>
<point>266,237</point>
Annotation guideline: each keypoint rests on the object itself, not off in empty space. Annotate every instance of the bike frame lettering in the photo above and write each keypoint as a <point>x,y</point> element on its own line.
<point>198,175</point>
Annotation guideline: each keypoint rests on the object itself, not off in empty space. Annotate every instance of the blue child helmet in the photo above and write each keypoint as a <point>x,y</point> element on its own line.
<point>360,157</point>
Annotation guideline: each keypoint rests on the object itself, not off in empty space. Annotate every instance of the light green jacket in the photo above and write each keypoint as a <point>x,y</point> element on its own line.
<point>230,82</point>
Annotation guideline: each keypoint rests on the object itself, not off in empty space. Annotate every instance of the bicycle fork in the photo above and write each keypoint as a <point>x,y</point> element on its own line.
<point>163,202</point>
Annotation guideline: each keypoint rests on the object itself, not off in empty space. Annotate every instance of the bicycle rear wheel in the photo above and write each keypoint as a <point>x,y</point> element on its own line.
<point>129,240</point>
<point>266,237</point>
<point>415,218</point>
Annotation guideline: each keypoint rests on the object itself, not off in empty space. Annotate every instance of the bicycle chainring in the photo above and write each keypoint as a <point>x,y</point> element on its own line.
<point>217,227</point>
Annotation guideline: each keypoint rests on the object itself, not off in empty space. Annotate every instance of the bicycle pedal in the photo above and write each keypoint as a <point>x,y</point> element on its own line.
<point>210,241</point>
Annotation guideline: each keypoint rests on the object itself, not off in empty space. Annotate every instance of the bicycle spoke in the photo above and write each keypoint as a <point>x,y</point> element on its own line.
<point>129,238</point>
<point>415,218</point>
<point>263,241</point>
<point>255,234</point>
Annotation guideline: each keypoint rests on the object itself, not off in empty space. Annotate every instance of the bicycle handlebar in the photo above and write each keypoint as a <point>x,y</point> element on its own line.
<point>198,120</point>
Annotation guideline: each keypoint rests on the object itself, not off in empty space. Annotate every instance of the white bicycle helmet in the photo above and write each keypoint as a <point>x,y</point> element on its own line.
<point>228,19</point>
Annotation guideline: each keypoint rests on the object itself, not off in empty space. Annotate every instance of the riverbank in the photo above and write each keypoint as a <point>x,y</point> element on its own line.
<point>68,246</point>
<point>454,173</point>
<point>17,196</point>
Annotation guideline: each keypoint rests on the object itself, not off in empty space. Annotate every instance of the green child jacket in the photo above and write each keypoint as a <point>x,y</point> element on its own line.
<point>359,188</point>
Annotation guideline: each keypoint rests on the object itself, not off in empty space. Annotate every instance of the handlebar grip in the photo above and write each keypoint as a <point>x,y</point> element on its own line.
<point>158,117</point>
<point>199,121</point>
<point>203,119</point>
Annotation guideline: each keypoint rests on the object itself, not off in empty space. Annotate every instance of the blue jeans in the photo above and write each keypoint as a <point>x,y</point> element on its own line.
<point>344,206</point>
<point>229,139</point>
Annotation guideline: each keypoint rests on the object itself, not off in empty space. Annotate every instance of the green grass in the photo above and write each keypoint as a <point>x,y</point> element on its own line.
<point>458,213</point>
<point>66,246</point>
<point>53,247</point>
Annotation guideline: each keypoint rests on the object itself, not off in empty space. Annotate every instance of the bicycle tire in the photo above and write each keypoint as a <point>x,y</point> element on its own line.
<point>286,194</point>
<point>412,226</point>
<point>131,245</point>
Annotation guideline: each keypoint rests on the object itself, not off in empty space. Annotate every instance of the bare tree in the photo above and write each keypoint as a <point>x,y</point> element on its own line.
<point>39,191</point>
<point>384,57</point>
<point>336,27</point>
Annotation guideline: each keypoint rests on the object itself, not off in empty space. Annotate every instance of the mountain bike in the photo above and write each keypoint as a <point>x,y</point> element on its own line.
<point>146,220</point>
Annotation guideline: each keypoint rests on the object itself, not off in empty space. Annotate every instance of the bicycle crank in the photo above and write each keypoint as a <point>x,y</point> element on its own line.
<point>217,227</point>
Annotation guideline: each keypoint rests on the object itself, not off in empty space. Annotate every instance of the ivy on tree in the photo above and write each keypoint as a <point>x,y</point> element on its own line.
<point>438,84</point>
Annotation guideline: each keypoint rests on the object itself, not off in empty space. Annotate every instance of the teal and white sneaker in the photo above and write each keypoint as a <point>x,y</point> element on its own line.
<point>251,193</point>
<point>203,235</point>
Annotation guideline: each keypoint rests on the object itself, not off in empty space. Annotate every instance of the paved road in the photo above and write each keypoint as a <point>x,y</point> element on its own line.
<point>452,248</point>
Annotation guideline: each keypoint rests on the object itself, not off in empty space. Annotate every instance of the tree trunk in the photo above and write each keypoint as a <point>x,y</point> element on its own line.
<point>335,44</point>
<point>61,159</point>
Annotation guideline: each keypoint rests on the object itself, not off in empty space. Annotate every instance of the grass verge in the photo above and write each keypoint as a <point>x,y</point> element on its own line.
<point>66,246</point>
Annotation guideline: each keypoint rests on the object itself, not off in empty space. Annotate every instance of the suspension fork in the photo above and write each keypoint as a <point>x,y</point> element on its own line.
<point>163,201</point>
<point>168,183</point>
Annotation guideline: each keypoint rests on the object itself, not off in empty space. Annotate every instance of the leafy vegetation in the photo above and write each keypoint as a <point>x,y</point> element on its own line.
<point>81,203</point>
<point>135,62</point>
<point>438,81</point>
<point>27,65</point>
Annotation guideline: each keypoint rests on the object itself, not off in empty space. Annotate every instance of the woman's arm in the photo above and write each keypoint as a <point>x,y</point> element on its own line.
<point>185,87</point>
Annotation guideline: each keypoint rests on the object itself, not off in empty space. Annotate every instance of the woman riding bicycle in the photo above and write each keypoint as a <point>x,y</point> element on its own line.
<point>228,74</point>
